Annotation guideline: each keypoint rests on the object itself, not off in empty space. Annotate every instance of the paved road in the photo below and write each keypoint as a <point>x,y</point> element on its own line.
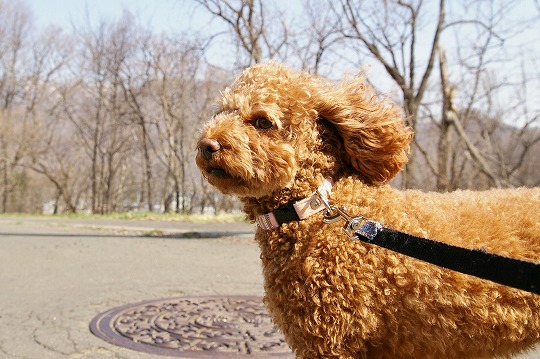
<point>58,274</point>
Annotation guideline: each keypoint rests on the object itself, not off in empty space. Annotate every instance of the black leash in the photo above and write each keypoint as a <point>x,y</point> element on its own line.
<point>516,273</point>
<point>511,272</point>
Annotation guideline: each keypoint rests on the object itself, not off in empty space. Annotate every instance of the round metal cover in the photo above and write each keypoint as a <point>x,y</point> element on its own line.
<point>201,327</point>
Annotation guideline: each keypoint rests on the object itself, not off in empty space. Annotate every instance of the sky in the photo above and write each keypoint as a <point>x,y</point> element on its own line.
<point>174,16</point>
<point>163,15</point>
<point>184,16</point>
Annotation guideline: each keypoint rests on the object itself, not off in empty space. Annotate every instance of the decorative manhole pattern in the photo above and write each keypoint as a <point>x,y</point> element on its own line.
<point>202,327</point>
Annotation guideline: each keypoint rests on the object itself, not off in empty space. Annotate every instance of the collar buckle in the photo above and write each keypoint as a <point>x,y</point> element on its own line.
<point>297,210</point>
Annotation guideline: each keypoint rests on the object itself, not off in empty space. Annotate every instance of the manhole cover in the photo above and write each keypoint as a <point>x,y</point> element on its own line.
<point>202,327</point>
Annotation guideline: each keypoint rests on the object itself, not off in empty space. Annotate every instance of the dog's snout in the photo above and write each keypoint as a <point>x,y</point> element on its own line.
<point>207,147</point>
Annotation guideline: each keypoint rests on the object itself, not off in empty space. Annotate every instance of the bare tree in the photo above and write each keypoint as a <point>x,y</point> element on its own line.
<point>49,55</point>
<point>58,159</point>
<point>31,63</point>
<point>321,33</point>
<point>175,66</point>
<point>134,81</point>
<point>497,139</point>
<point>389,32</point>
<point>109,116</point>
<point>450,118</point>
<point>14,33</point>
<point>97,109</point>
<point>259,31</point>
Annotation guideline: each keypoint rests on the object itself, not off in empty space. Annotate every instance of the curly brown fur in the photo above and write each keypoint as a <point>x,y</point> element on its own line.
<point>335,298</point>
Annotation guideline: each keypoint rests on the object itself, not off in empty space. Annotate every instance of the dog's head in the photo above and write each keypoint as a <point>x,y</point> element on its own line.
<point>275,125</point>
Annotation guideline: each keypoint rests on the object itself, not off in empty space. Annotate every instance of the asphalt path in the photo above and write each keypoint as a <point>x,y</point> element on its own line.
<point>57,274</point>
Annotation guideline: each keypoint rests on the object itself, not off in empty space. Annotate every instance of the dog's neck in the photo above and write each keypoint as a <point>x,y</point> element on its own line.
<point>315,171</point>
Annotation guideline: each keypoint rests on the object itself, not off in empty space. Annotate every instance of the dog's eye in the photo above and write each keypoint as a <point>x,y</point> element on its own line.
<point>263,123</point>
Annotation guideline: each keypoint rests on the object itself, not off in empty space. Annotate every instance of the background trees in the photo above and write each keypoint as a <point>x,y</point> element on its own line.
<point>104,116</point>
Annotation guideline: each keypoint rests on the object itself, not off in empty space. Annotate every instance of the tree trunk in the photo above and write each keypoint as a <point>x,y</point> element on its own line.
<point>445,134</point>
<point>148,166</point>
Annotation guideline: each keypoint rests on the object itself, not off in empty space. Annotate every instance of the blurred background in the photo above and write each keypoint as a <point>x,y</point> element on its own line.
<point>101,102</point>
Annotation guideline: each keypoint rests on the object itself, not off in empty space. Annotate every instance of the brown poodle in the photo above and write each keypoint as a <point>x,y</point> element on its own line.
<point>277,135</point>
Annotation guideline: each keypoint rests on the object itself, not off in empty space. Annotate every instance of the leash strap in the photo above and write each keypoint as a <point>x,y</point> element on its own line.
<point>516,273</point>
<point>511,272</point>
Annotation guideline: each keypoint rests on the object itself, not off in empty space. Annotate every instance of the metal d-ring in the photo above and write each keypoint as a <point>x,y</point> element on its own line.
<point>353,225</point>
<point>332,213</point>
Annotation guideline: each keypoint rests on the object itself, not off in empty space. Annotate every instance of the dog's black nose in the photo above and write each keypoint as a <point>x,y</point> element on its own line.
<point>208,147</point>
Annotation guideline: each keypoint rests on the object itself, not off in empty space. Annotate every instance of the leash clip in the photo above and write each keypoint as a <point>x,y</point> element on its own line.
<point>354,226</point>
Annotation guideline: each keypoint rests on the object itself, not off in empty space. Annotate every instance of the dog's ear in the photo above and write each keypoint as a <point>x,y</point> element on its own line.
<point>374,137</point>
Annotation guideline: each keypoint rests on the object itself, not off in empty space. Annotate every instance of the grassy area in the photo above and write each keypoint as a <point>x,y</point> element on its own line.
<point>195,218</point>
